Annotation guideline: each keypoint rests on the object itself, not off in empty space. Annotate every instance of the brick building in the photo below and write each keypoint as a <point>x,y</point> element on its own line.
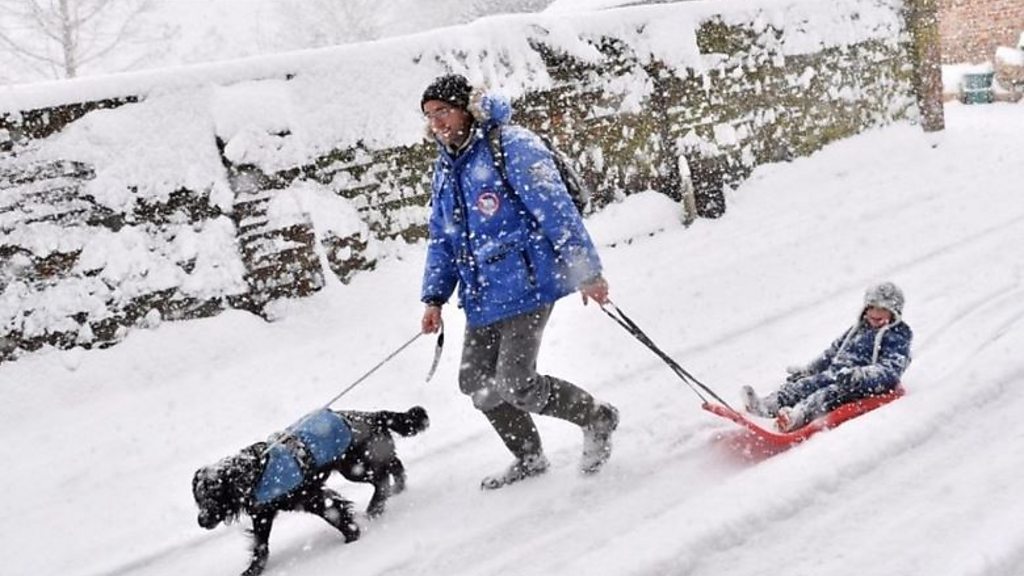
<point>972,29</point>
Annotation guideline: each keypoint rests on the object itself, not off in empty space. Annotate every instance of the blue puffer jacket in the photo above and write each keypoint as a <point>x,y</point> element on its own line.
<point>508,251</point>
<point>872,359</point>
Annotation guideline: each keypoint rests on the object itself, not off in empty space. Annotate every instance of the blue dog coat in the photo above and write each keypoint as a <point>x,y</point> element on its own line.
<point>313,442</point>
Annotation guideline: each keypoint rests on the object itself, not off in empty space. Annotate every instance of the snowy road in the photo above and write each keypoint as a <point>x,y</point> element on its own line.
<point>101,446</point>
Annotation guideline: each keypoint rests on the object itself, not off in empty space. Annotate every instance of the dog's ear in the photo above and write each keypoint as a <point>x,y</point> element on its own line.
<point>201,480</point>
<point>215,494</point>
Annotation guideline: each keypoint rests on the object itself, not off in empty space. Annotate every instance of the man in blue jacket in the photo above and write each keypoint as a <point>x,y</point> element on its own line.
<point>512,248</point>
<point>867,360</point>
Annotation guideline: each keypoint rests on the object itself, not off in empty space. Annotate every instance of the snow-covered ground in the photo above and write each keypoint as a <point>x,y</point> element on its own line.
<point>99,447</point>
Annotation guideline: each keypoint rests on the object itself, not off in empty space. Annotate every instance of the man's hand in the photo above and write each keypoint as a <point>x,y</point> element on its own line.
<point>596,290</point>
<point>431,321</point>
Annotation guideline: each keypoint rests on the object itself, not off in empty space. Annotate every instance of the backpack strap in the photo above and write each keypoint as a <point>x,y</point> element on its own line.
<point>498,152</point>
<point>571,179</point>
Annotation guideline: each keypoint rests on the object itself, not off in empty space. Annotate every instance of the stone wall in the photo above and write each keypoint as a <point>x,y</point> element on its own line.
<point>971,30</point>
<point>748,98</point>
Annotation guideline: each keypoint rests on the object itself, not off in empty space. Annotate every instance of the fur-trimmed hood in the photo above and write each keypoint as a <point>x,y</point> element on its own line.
<point>486,107</point>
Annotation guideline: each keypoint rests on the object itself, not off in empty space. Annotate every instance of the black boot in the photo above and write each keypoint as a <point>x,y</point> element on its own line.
<point>569,402</point>
<point>516,429</point>
<point>597,419</point>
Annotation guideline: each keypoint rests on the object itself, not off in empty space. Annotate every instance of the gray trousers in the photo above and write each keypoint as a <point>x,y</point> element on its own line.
<point>499,372</point>
<point>499,363</point>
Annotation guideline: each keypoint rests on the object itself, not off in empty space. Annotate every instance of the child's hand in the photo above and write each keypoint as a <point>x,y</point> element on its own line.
<point>796,373</point>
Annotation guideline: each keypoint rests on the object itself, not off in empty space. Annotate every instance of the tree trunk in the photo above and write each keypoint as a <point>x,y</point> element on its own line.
<point>67,40</point>
<point>923,21</point>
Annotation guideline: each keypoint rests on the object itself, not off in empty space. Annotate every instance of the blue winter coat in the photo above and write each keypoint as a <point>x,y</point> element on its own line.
<point>323,435</point>
<point>871,359</point>
<point>508,251</point>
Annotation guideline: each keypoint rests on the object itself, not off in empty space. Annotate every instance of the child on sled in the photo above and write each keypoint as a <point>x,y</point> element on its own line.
<point>867,360</point>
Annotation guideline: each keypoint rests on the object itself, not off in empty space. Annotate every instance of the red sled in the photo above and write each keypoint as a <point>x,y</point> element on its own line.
<point>774,441</point>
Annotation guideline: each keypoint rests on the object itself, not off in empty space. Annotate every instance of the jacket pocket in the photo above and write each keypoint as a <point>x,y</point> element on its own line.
<point>506,271</point>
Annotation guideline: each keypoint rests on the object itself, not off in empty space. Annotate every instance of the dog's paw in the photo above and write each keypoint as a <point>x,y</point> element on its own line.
<point>419,417</point>
<point>255,568</point>
<point>351,531</point>
<point>374,510</point>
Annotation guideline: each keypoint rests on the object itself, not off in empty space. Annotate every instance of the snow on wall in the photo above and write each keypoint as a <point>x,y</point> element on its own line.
<point>206,183</point>
<point>384,78</point>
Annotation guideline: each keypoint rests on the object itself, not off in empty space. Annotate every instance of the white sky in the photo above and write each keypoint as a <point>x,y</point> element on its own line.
<point>216,30</point>
<point>101,445</point>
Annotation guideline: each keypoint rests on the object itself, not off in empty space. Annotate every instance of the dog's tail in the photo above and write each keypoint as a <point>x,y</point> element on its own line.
<point>408,423</point>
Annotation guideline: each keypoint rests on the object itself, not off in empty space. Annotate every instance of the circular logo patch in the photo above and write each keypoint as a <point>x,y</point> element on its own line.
<point>488,203</point>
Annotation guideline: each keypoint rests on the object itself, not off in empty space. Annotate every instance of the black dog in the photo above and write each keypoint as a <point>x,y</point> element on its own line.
<point>289,470</point>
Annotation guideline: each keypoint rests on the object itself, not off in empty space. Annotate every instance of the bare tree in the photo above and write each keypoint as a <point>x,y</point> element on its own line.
<point>477,8</point>
<point>61,38</point>
<point>318,23</point>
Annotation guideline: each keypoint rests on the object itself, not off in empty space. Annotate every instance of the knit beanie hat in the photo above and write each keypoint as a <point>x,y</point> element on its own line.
<point>453,89</point>
<point>885,295</point>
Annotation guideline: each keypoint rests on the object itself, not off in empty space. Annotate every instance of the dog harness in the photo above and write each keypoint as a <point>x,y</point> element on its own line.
<point>319,438</point>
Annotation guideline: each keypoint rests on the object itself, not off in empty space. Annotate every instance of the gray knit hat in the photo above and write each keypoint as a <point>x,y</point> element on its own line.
<point>885,295</point>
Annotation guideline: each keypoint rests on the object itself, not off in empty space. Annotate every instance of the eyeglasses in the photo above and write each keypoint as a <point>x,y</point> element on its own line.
<point>438,114</point>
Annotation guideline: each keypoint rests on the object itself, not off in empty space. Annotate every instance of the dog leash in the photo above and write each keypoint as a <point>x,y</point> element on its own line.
<point>437,354</point>
<point>285,437</point>
<point>433,366</point>
<point>630,326</point>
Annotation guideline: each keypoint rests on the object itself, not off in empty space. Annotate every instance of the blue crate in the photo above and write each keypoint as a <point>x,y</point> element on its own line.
<point>976,88</point>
